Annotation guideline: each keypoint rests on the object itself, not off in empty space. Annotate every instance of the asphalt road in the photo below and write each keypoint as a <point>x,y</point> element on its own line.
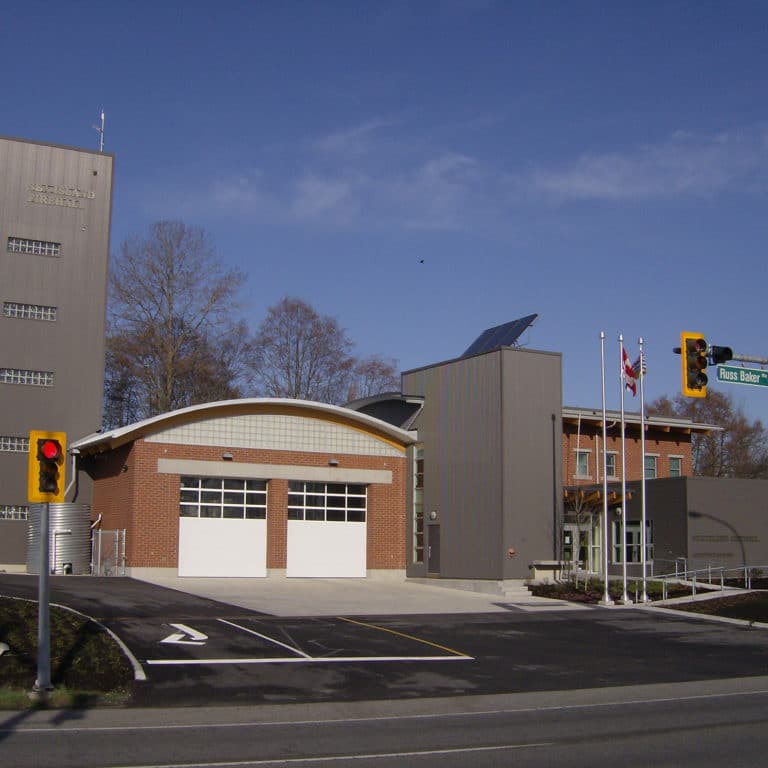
<point>659,726</point>
<point>199,652</point>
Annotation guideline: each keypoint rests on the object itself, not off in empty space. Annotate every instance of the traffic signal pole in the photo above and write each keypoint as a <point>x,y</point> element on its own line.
<point>43,682</point>
<point>46,475</point>
<point>749,359</point>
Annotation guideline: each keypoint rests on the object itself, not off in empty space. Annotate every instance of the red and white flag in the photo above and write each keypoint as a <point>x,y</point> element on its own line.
<point>630,376</point>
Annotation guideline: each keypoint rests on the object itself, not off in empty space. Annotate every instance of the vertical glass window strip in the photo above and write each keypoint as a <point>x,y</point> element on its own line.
<point>327,502</point>
<point>29,311</point>
<point>231,498</point>
<point>20,376</point>
<point>14,512</point>
<point>14,444</point>
<point>36,247</point>
<point>418,506</point>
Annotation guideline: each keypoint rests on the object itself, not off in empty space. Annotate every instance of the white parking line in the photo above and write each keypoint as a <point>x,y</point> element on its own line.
<point>266,637</point>
<point>305,660</point>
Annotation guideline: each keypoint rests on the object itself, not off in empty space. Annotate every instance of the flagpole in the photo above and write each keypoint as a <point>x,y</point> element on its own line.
<point>622,379</point>
<point>643,523</point>
<point>606,594</point>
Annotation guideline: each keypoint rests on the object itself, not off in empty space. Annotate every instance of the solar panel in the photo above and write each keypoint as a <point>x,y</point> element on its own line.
<point>505,335</point>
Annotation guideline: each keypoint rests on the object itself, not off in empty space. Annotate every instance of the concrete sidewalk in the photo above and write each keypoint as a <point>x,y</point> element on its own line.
<point>280,596</point>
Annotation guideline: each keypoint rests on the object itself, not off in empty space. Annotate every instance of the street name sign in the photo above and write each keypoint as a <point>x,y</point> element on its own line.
<point>732,374</point>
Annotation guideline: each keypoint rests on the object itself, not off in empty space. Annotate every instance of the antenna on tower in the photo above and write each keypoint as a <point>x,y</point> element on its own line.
<point>100,129</point>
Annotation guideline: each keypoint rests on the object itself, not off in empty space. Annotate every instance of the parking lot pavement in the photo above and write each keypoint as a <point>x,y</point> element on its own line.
<point>352,597</point>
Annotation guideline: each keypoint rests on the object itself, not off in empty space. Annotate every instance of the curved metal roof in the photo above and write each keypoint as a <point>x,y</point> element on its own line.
<point>113,438</point>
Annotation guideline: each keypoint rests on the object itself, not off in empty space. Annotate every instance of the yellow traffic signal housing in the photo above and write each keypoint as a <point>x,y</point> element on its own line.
<point>693,354</point>
<point>46,469</point>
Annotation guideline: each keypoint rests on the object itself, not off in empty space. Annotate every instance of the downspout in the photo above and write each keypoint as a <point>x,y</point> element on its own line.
<point>74,453</point>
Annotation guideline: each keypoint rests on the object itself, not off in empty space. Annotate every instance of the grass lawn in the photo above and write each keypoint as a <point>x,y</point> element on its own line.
<point>87,666</point>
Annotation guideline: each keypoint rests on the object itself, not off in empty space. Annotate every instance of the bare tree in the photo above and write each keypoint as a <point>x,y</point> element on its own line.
<point>172,339</point>
<point>302,355</point>
<point>373,376</point>
<point>739,450</point>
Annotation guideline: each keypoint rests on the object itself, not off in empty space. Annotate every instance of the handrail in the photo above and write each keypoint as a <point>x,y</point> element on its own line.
<point>709,571</point>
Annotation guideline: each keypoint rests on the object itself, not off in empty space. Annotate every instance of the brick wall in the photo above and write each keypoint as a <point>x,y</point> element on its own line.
<point>659,443</point>
<point>130,493</point>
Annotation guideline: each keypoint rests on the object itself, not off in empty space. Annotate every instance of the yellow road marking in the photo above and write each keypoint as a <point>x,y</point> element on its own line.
<point>407,637</point>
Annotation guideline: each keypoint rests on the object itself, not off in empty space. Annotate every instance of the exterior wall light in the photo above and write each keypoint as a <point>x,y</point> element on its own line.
<point>227,456</point>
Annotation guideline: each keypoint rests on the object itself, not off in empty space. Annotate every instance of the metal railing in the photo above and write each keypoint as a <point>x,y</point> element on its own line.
<point>713,576</point>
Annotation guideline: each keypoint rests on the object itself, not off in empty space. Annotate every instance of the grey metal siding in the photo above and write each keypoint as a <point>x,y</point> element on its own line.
<point>666,504</point>
<point>491,429</point>
<point>460,428</point>
<point>532,462</point>
<point>729,524</point>
<point>63,195</point>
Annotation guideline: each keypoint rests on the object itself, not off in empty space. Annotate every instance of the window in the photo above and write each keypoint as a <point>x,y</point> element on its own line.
<point>330,502</point>
<point>418,506</point>
<point>610,465</point>
<point>14,512</point>
<point>675,466</point>
<point>37,247</point>
<point>650,467</point>
<point>582,463</point>
<point>226,497</point>
<point>14,444</point>
<point>634,553</point>
<point>19,376</point>
<point>28,311</point>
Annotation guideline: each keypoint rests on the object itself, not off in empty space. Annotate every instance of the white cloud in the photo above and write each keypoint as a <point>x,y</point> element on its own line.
<point>685,165</point>
<point>333,200</point>
<point>365,177</point>
<point>354,141</point>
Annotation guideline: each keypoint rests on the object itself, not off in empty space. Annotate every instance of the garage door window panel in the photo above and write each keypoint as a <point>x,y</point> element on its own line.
<point>329,502</point>
<point>229,498</point>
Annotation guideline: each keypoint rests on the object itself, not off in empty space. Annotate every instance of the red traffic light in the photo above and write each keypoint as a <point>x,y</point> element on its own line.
<point>50,449</point>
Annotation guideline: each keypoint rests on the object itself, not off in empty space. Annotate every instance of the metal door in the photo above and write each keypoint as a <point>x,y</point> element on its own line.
<point>433,550</point>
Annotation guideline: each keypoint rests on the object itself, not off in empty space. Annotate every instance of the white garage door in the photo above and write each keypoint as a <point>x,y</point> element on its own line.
<point>222,527</point>
<point>326,529</point>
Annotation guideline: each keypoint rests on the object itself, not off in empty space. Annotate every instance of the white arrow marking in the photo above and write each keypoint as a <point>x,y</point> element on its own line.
<point>195,637</point>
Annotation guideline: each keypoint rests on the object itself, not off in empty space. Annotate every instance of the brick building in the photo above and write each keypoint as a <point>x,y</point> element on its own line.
<point>253,486</point>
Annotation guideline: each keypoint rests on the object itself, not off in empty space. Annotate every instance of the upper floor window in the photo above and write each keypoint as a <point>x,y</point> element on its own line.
<point>28,311</point>
<point>650,467</point>
<point>610,465</point>
<point>14,512</point>
<point>37,247</point>
<point>675,466</point>
<point>582,463</point>
<point>20,376</point>
<point>14,444</point>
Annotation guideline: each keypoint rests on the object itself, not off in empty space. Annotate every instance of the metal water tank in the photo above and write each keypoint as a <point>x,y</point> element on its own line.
<point>70,538</point>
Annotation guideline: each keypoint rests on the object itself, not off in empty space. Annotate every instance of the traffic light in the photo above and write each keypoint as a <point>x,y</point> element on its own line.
<point>46,471</point>
<point>720,354</point>
<point>693,353</point>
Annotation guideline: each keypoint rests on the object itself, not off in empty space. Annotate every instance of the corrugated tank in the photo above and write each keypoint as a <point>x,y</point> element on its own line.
<point>70,538</point>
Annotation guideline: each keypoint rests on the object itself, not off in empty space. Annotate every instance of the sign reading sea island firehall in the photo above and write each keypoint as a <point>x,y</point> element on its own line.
<point>58,194</point>
<point>734,375</point>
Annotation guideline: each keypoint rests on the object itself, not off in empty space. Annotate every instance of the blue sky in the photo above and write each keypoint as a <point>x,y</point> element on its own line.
<point>425,170</point>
